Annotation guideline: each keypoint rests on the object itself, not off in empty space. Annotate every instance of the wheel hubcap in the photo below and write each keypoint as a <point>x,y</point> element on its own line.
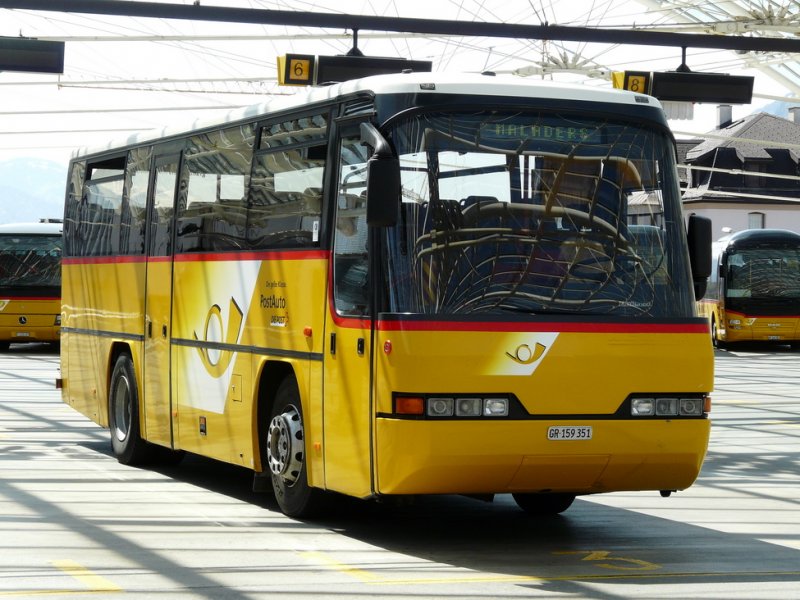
<point>122,409</point>
<point>285,445</point>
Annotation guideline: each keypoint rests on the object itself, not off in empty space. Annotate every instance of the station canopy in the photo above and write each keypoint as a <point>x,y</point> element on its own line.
<point>124,74</point>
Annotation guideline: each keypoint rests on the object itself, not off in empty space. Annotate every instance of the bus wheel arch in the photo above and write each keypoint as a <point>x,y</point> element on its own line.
<point>282,443</point>
<point>123,412</point>
<point>270,378</point>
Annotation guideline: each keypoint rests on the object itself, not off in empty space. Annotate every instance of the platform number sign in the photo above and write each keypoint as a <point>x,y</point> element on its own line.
<point>296,69</point>
<point>637,81</point>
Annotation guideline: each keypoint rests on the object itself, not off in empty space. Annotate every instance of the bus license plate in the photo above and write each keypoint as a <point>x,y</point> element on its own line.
<point>569,432</point>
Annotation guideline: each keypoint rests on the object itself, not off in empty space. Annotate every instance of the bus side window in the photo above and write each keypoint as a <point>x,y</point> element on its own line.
<point>350,273</point>
<point>285,196</point>
<point>214,216</point>
<point>134,203</point>
<point>72,208</point>
<point>100,212</point>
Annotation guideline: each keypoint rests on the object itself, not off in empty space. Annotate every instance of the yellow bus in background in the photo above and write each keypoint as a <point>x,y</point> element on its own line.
<point>754,289</point>
<point>398,285</point>
<point>30,283</point>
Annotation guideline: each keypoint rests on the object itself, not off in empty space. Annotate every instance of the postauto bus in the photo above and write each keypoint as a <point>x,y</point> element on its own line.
<point>30,283</point>
<point>397,285</point>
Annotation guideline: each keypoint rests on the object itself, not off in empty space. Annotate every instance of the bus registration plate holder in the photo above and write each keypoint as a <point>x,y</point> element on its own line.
<point>569,432</point>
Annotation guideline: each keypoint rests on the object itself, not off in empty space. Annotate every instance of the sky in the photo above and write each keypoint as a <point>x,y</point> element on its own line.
<point>126,74</point>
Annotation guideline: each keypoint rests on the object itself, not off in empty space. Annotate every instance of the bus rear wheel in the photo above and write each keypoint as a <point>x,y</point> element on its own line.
<point>123,415</point>
<point>544,504</point>
<point>283,453</point>
<point>715,335</point>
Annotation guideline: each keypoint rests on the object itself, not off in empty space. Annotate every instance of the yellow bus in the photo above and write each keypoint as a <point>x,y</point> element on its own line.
<point>30,283</point>
<point>394,286</point>
<point>754,289</point>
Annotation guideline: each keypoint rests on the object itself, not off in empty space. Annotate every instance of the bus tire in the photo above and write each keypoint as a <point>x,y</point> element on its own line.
<point>283,454</point>
<point>544,504</point>
<point>4,346</point>
<point>123,415</point>
<point>715,336</point>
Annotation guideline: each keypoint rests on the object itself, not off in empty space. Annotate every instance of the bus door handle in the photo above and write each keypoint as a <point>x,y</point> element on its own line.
<point>149,328</point>
<point>163,331</point>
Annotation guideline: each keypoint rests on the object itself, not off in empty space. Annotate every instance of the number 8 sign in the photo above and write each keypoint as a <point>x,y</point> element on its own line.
<point>637,81</point>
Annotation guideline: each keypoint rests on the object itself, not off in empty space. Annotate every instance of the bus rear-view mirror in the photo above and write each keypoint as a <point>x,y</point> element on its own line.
<point>699,238</point>
<point>383,179</point>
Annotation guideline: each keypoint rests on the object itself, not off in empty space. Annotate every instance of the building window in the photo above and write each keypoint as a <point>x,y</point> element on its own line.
<point>754,179</point>
<point>755,220</point>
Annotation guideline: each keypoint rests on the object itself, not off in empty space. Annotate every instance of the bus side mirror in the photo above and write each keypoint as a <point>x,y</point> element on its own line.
<point>383,179</point>
<point>699,238</point>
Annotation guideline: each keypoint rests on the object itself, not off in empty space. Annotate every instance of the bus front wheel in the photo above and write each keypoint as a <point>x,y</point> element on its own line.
<point>284,455</point>
<point>123,415</point>
<point>544,504</point>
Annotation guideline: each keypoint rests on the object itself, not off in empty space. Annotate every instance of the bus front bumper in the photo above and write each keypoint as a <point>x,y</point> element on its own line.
<point>484,457</point>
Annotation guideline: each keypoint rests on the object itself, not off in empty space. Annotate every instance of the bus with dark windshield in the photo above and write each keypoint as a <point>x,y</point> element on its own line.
<point>754,289</point>
<point>395,286</point>
<point>30,283</point>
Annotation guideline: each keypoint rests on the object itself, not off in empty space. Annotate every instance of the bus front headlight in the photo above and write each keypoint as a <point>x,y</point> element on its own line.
<point>643,407</point>
<point>670,406</point>
<point>495,407</point>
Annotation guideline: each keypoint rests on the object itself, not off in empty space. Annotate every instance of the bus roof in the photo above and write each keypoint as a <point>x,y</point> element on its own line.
<point>756,237</point>
<point>31,228</point>
<point>401,83</point>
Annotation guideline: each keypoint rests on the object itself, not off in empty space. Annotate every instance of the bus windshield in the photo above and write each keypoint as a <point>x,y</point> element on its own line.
<point>537,213</point>
<point>764,274</point>
<point>30,261</point>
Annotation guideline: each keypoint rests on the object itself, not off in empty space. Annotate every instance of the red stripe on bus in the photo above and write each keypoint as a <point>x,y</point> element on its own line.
<point>202,257</point>
<point>545,327</point>
<point>742,315</point>
<point>256,255</point>
<point>350,322</point>
<point>101,260</point>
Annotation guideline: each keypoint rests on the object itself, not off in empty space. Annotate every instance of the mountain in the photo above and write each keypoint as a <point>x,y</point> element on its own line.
<point>779,108</point>
<point>31,189</point>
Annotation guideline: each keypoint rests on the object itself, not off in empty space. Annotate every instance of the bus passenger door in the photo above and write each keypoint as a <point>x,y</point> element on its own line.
<point>347,408</point>
<point>157,402</point>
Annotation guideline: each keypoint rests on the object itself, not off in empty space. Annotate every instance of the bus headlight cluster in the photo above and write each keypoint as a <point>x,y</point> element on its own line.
<point>466,407</point>
<point>668,407</point>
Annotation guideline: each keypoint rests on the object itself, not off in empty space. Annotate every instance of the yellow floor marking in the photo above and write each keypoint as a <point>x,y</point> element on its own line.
<point>579,577</point>
<point>94,582</point>
<point>359,574</point>
<point>375,579</point>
